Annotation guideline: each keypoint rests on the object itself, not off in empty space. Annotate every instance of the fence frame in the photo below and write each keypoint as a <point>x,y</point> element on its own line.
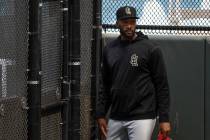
<point>66,73</point>
<point>74,68</point>
<point>70,99</point>
<point>36,110</point>
<point>96,61</point>
<point>34,72</point>
<point>151,27</point>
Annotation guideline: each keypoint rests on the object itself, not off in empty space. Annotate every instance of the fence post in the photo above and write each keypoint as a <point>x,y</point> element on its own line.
<point>66,73</point>
<point>34,73</point>
<point>74,66</point>
<point>96,55</point>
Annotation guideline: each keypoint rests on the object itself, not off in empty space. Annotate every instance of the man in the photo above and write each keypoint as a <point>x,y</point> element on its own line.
<point>134,84</point>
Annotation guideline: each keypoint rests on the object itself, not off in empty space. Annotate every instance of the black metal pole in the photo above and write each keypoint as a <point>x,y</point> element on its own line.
<point>69,66</point>
<point>65,75</point>
<point>96,52</point>
<point>34,68</point>
<point>154,27</point>
<point>74,65</point>
<point>53,108</point>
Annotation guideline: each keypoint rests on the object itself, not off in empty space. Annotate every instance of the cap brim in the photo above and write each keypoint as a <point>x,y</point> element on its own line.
<point>127,17</point>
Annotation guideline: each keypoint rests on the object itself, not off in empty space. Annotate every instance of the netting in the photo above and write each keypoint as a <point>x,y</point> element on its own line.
<point>163,16</point>
<point>13,66</point>
<point>51,47</point>
<point>13,119</point>
<point>51,127</point>
<point>14,47</point>
<point>51,65</point>
<point>86,8</point>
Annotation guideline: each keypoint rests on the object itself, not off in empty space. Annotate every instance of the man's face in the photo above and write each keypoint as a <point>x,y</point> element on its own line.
<point>127,28</point>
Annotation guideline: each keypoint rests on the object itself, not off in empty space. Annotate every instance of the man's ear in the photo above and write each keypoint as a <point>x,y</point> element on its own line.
<point>117,24</point>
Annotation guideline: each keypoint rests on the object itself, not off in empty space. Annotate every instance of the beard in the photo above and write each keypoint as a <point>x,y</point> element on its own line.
<point>127,33</point>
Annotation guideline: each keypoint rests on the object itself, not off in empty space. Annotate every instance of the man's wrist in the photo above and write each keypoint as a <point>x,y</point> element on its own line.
<point>164,118</point>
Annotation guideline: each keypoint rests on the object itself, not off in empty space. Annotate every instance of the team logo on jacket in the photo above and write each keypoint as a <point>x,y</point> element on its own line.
<point>134,60</point>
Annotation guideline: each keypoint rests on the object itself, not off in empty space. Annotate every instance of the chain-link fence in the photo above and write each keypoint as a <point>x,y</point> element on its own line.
<point>163,16</point>
<point>86,17</point>
<point>32,40</point>
<point>51,65</point>
<point>13,67</point>
<point>13,119</point>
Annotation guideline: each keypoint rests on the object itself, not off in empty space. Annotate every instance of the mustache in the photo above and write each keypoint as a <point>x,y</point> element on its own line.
<point>128,30</point>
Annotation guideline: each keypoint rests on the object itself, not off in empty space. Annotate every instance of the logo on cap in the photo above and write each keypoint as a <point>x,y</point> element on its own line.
<point>128,11</point>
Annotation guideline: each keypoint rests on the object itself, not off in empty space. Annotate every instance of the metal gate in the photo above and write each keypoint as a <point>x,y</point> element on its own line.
<point>51,66</point>
<point>47,43</point>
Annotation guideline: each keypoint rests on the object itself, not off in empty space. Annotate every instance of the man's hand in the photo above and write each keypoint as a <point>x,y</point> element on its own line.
<point>165,128</point>
<point>102,123</point>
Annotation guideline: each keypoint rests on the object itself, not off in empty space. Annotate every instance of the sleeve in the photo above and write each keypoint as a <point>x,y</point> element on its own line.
<point>103,100</point>
<point>159,77</point>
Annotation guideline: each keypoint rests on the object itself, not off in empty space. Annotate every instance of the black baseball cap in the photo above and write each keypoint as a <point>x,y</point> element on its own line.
<point>126,12</point>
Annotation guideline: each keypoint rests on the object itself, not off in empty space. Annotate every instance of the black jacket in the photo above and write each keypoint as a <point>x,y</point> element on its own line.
<point>134,81</point>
